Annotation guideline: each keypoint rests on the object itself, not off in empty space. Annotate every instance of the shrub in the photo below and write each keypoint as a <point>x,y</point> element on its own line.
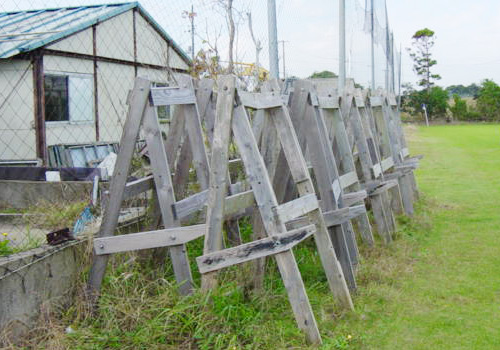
<point>488,101</point>
<point>435,100</point>
<point>459,110</point>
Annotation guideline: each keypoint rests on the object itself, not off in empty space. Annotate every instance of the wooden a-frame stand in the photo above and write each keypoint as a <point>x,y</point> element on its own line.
<point>142,102</point>
<point>313,137</point>
<point>371,167</point>
<point>231,115</point>
<point>329,105</point>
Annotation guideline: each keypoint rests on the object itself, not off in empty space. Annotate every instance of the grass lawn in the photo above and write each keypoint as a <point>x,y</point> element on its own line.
<point>436,287</point>
<point>449,296</point>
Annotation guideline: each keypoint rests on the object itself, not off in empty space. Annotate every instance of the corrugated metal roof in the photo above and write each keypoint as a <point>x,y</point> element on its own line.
<point>24,31</point>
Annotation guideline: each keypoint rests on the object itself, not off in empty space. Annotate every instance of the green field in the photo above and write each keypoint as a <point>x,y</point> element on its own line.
<point>436,287</point>
<point>448,295</point>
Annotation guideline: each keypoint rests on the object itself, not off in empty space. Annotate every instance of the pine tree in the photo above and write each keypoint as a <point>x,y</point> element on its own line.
<point>423,41</point>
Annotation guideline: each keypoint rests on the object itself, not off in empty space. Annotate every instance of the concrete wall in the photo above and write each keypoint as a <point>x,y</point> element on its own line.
<point>23,194</point>
<point>33,282</point>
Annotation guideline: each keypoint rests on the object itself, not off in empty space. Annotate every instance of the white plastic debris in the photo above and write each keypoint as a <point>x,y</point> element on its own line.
<point>108,164</point>
<point>52,176</point>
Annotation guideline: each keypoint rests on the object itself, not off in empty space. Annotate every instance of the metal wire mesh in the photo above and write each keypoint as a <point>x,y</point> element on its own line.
<point>65,74</point>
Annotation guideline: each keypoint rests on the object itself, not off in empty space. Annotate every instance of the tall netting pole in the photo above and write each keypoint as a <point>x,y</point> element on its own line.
<point>341,46</point>
<point>273,39</point>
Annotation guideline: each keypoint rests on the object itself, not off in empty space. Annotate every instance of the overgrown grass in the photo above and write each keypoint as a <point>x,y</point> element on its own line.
<point>435,287</point>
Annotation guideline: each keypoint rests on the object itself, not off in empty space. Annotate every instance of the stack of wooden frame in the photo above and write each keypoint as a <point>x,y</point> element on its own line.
<point>309,161</point>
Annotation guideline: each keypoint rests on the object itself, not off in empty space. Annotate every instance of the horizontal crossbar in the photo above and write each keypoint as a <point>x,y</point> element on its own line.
<point>351,198</point>
<point>328,102</point>
<point>340,216</point>
<point>260,100</point>
<point>146,240</point>
<point>253,250</point>
<point>348,179</point>
<point>384,187</point>
<point>165,96</point>
<point>387,163</point>
<point>296,208</point>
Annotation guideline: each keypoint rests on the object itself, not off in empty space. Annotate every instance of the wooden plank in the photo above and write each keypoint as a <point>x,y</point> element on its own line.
<point>407,166</point>
<point>297,207</point>
<point>387,163</point>
<point>190,205</point>
<point>381,214</point>
<point>238,202</point>
<point>343,215</point>
<point>329,102</point>
<point>360,102</point>
<point>218,174</point>
<point>139,186</point>
<point>138,98</point>
<point>376,170</point>
<point>253,250</point>
<point>354,197</point>
<point>405,152</point>
<point>337,190</point>
<point>234,204</point>
<point>260,100</point>
<point>376,101</point>
<point>385,186</point>
<point>165,96</point>
<point>166,196</point>
<point>147,240</point>
<point>348,179</point>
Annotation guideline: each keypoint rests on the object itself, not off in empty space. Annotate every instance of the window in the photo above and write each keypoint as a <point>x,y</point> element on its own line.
<point>69,98</point>
<point>56,98</point>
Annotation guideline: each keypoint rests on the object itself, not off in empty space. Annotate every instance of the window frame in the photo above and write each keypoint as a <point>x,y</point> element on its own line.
<point>69,76</point>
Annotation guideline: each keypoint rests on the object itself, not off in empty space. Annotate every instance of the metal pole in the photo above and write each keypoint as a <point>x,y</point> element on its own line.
<point>341,47</point>
<point>373,45</point>
<point>192,31</point>
<point>284,60</point>
<point>273,39</point>
<point>399,75</point>
<point>393,70</point>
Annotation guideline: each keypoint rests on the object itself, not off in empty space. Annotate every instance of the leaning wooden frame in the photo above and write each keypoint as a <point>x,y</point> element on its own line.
<point>309,124</point>
<point>400,148</point>
<point>329,104</point>
<point>387,142</point>
<point>369,165</point>
<point>279,220</point>
<point>185,132</point>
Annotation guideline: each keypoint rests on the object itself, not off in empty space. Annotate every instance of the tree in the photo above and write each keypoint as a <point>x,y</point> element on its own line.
<point>435,100</point>
<point>488,101</point>
<point>423,41</point>
<point>324,74</point>
<point>463,91</point>
<point>459,109</point>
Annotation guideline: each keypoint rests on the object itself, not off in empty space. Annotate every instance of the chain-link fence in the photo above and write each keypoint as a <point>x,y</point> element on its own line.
<point>65,74</point>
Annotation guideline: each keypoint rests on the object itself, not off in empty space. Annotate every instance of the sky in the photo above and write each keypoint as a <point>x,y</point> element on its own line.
<point>466,48</point>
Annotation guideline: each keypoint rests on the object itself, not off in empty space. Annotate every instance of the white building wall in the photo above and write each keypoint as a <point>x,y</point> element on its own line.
<point>17,123</point>
<point>69,132</point>
<point>153,49</point>
<point>114,83</point>
<point>78,43</point>
<point>114,37</point>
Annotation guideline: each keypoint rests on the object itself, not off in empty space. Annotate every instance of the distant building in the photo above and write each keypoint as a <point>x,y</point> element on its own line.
<point>65,73</point>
